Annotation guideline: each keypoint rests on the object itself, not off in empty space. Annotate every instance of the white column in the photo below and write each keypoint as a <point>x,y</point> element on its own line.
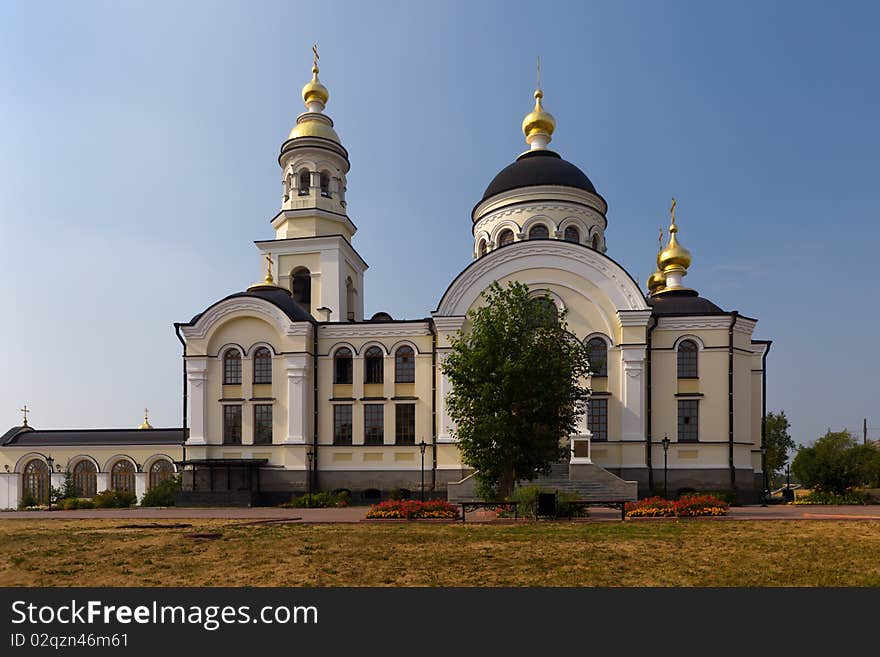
<point>298,399</point>
<point>56,480</point>
<point>632,395</point>
<point>102,481</point>
<point>9,490</point>
<point>197,383</point>
<point>140,484</point>
<point>444,433</point>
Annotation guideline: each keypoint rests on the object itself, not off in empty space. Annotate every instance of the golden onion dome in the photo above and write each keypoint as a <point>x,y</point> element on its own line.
<point>656,282</point>
<point>538,121</point>
<point>310,127</point>
<point>674,256</point>
<point>146,423</point>
<point>314,90</point>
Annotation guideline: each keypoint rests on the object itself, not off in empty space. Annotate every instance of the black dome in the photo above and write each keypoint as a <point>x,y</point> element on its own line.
<point>538,167</point>
<point>277,296</point>
<point>682,302</point>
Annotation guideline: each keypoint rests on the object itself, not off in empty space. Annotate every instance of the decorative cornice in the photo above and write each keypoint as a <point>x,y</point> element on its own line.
<point>693,323</point>
<point>449,324</point>
<point>373,330</point>
<point>633,317</point>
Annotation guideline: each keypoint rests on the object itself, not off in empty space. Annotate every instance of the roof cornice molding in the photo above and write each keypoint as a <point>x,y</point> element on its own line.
<point>290,245</point>
<point>248,307</point>
<point>691,323</point>
<point>373,330</point>
<point>537,194</point>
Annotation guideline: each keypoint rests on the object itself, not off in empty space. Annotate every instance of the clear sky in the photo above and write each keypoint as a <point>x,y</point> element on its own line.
<point>139,145</point>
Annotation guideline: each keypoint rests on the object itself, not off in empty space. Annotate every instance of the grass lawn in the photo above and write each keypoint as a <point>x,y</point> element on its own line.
<point>665,553</point>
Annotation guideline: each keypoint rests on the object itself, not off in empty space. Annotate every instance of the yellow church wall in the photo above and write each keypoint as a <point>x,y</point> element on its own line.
<point>105,455</point>
<point>287,263</point>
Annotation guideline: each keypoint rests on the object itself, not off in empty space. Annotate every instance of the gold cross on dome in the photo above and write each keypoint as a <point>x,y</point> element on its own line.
<point>672,210</point>
<point>269,278</point>
<point>25,411</point>
<point>315,58</point>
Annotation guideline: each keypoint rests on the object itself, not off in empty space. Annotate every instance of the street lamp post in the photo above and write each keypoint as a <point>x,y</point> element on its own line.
<point>50,462</point>
<point>309,455</point>
<point>766,488</point>
<point>422,446</point>
<point>665,442</point>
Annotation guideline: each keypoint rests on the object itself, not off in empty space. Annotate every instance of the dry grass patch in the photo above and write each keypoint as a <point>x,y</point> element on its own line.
<point>669,553</point>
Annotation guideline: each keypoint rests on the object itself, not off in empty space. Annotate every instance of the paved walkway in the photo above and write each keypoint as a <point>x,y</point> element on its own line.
<point>357,514</point>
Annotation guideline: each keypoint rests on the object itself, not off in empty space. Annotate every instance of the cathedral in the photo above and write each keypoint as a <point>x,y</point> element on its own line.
<point>288,388</point>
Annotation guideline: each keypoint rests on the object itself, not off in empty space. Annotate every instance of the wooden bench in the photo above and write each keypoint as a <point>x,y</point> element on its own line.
<point>473,505</point>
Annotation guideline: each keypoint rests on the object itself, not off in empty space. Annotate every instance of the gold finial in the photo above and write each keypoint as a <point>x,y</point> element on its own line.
<point>657,281</point>
<point>25,410</point>
<point>674,258</point>
<point>146,423</point>
<point>314,91</point>
<point>269,280</point>
<point>538,125</point>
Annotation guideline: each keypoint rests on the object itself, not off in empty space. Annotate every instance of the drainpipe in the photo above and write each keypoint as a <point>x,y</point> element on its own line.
<point>433,404</point>
<point>649,448</point>
<point>314,473</point>
<point>764,408</point>
<point>731,465</point>
<point>185,389</point>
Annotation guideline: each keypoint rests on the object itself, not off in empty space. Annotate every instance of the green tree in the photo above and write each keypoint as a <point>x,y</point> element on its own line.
<point>517,387</point>
<point>778,441</point>
<point>836,462</point>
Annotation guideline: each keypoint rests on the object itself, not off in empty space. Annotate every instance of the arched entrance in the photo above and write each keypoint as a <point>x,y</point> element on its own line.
<point>35,480</point>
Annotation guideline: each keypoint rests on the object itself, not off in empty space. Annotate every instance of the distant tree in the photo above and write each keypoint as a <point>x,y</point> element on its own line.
<point>517,388</point>
<point>836,462</point>
<point>778,441</point>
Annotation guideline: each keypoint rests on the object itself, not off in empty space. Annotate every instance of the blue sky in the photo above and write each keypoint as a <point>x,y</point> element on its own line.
<point>139,146</point>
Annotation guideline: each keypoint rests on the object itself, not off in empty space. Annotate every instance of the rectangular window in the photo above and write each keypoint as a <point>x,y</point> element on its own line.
<point>597,417</point>
<point>688,420</point>
<point>342,424</point>
<point>232,425</point>
<point>405,424</point>
<point>374,424</point>
<point>262,424</point>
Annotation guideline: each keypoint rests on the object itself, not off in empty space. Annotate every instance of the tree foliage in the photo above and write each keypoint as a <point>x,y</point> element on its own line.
<point>778,441</point>
<point>517,387</point>
<point>836,462</point>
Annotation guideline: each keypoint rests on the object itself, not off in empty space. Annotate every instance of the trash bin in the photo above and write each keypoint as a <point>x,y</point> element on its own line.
<point>788,494</point>
<point>546,505</point>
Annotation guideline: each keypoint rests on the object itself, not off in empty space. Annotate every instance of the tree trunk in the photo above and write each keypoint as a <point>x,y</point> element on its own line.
<point>508,479</point>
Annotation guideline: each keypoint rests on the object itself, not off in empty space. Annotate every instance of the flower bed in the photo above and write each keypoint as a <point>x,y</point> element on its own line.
<point>413,509</point>
<point>689,506</point>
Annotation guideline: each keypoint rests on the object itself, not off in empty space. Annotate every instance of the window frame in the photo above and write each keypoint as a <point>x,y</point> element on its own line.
<point>122,473</point>
<point>85,478</point>
<point>262,366</point>
<point>501,235</point>
<point>232,367</point>
<point>539,228</point>
<point>603,372</point>
<point>260,424</point>
<point>687,364</point>
<point>690,435</point>
<point>340,437</point>
<point>374,434</point>
<point>228,410</point>
<point>374,365</point>
<point>597,418</point>
<point>337,360</point>
<point>565,234</point>
<point>410,437</point>
<point>407,372</point>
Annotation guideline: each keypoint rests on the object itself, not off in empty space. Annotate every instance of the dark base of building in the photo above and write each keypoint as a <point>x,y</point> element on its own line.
<point>745,488</point>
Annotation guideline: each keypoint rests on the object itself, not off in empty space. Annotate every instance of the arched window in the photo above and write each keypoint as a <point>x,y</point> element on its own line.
<point>262,365</point>
<point>342,366</point>
<point>572,234</point>
<point>482,248</point>
<point>596,242</point>
<point>404,365</point>
<point>325,184</point>
<point>301,286</point>
<point>232,367</point>
<point>160,471</point>
<point>374,362</point>
<point>122,476</point>
<point>598,354</point>
<point>304,182</point>
<point>85,478</point>
<point>548,313</point>
<point>506,237</point>
<point>36,480</point>
<point>539,232</point>
<point>687,359</point>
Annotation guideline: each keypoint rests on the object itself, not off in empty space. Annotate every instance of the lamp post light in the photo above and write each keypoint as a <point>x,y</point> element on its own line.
<point>309,455</point>
<point>50,462</point>
<point>766,488</point>
<point>422,446</point>
<point>665,442</point>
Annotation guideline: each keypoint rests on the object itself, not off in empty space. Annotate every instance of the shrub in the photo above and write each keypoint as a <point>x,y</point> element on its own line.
<point>163,493</point>
<point>27,500</point>
<point>398,494</point>
<point>74,503</point>
<point>527,496</point>
<point>824,497</point>
<point>322,500</point>
<point>689,506</point>
<point>114,499</point>
<point>413,509</point>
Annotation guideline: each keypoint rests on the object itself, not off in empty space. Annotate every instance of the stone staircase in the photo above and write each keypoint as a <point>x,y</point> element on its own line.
<point>587,481</point>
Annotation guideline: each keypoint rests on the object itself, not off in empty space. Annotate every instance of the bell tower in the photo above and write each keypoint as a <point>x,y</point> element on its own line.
<point>312,250</point>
